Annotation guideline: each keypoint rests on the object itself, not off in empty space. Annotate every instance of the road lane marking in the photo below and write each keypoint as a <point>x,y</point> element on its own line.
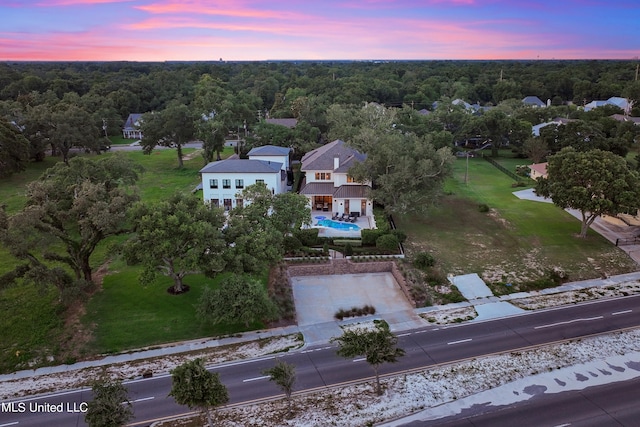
<point>404,335</point>
<point>142,399</point>
<point>9,424</point>
<point>256,378</point>
<point>360,360</point>
<point>459,342</point>
<point>568,321</point>
<point>621,312</point>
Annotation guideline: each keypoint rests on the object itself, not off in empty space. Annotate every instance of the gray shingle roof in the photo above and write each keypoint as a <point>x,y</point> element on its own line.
<point>322,158</point>
<point>269,150</point>
<point>130,124</point>
<point>242,166</point>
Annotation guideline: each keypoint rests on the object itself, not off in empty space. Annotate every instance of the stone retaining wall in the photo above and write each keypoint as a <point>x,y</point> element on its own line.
<point>345,266</point>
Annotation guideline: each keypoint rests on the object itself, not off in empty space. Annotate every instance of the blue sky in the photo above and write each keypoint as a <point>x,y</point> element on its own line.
<point>158,30</point>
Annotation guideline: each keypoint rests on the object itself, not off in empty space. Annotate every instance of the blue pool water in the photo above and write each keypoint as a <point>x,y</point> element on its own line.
<point>338,225</point>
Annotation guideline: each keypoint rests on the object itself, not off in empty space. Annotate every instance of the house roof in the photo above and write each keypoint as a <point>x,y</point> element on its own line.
<point>290,123</point>
<point>541,168</point>
<point>352,192</point>
<point>322,158</point>
<point>131,123</point>
<point>318,189</point>
<point>242,166</point>
<point>269,150</point>
<point>623,118</point>
<point>533,100</point>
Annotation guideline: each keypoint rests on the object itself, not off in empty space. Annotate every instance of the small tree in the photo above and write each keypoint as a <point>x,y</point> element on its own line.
<point>284,375</point>
<point>194,386</point>
<point>239,299</point>
<point>110,406</point>
<point>378,346</point>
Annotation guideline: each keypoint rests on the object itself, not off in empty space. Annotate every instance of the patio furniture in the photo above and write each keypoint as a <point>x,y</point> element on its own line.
<point>325,208</point>
<point>336,216</point>
<point>344,217</point>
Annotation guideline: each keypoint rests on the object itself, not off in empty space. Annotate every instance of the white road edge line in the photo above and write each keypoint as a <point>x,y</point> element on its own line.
<point>621,312</point>
<point>360,360</point>
<point>567,322</point>
<point>9,424</point>
<point>459,342</point>
<point>143,399</point>
<point>404,335</point>
<point>256,378</point>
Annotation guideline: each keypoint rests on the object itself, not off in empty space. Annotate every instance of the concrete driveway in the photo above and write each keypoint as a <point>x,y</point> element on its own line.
<point>318,298</point>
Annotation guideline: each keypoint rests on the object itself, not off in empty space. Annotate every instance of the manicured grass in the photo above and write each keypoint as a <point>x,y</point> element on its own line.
<point>12,189</point>
<point>30,326</point>
<point>517,241</point>
<point>119,140</point>
<point>128,315</point>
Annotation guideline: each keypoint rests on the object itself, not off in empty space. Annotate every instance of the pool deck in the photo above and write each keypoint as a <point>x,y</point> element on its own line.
<point>362,222</point>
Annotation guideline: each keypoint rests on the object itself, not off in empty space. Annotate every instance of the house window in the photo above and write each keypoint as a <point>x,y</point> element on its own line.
<point>213,183</point>
<point>350,179</point>
<point>259,181</point>
<point>227,204</point>
<point>238,203</point>
<point>323,176</point>
<point>226,183</point>
<point>239,183</point>
<point>215,203</point>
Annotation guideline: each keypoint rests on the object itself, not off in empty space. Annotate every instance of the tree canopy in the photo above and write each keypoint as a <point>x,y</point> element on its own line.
<point>238,299</point>
<point>14,149</point>
<point>110,406</point>
<point>193,385</point>
<point>71,207</point>
<point>594,182</point>
<point>176,237</point>
<point>378,346</point>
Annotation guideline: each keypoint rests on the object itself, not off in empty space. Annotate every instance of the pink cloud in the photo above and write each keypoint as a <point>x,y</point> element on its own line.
<point>217,8</point>
<point>48,3</point>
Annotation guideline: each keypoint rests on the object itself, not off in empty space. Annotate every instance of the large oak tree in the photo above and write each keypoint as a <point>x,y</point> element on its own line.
<point>176,237</point>
<point>594,182</point>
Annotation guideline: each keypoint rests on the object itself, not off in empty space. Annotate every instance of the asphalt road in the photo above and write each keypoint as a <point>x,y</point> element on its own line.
<point>607,405</point>
<point>318,367</point>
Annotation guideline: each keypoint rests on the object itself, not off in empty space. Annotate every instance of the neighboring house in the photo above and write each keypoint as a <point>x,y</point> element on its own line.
<point>271,153</point>
<point>290,123</point>
<point>535,130</point>
<point>623,118</point>
<point>224,180</point>
<point>533,101</point>
<point>328,185</point>
<point>538,170</point>
<point>131,129</point>
<point>619,102</point>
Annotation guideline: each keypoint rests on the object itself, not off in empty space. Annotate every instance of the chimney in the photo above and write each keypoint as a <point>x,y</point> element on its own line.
<point>336,162</point>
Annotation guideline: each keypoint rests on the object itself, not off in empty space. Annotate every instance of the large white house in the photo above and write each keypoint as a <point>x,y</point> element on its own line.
<point>328,185</point>
<point>224,180</point>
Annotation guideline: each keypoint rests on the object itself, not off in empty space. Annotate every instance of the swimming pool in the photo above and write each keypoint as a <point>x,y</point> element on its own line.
<point>338,225</point>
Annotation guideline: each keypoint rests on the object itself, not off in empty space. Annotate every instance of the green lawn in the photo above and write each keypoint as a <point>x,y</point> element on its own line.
<point>517,241</point>
<point>128,315</point>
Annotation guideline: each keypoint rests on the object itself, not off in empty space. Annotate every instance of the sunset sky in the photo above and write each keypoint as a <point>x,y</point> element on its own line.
<point>159,30</point>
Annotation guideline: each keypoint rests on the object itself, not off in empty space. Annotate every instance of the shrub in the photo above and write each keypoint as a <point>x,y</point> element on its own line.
<point>291,244</point>
<point>307,236</point>
<point>325,248</point>
<point>369,237</point>
<point>387,242</point>
<point>483,207</point>
<point>343,242</point>
<point>424,260</point>
<point>400,235</point>
<point>348,249</point>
